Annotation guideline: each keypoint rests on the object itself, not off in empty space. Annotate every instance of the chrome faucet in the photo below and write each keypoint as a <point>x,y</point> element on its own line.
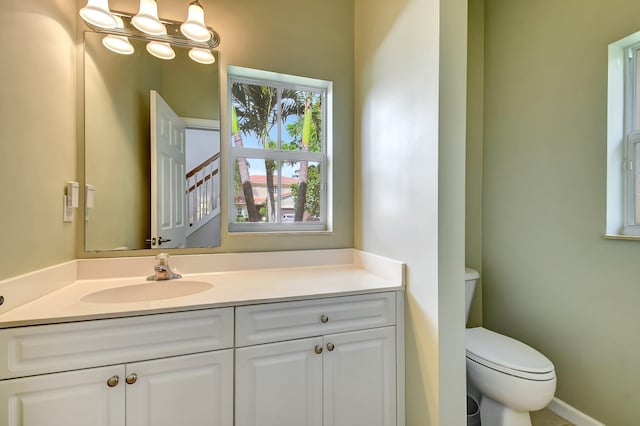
<point>162,270</point>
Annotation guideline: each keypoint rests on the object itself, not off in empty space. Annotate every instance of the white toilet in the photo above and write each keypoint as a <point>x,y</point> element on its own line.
<point>511,377</point>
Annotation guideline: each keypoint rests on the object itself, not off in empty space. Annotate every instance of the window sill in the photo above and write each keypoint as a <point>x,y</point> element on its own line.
<point>252,234</point>
<point>621,237</point>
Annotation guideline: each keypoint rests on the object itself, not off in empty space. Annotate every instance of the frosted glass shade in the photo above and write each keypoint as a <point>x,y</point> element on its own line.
<point>160,50</point>
<point>118,44</point>
<point>97,13</point>
<point>147,19</point>
<point>194,27</point>
<point>203,56</point>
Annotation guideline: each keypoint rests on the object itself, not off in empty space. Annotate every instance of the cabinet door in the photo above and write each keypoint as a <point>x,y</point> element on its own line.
<point>360,378</point>
<point>193,390</point>
<point>279,384</point>
<point>75,398</point>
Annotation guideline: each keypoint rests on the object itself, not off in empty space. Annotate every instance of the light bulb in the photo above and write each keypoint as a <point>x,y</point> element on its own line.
<point>203,56</point>
<point>147,19</point>
<point>194,27</point>
<point>97,13</point>
<point>116,43</point>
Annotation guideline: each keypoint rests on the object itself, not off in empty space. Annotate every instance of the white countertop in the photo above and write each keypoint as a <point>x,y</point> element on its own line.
<point>356,273</point>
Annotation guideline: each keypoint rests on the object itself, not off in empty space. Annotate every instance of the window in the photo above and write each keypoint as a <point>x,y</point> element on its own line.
<point>279,151</point>
<point>632,142</point>
<point>623,139</point>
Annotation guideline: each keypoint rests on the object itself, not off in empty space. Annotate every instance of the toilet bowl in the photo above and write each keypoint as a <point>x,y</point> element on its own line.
<point>511,377</point>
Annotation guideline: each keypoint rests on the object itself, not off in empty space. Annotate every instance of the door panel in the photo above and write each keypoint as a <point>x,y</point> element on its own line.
<point>279,384</point>
<point>360,378</point>
<point>193,390</point>
<point>168,178</point>
<point>75,398</point>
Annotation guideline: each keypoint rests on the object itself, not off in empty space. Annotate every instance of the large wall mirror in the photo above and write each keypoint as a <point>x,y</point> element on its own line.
<point>152,149</point>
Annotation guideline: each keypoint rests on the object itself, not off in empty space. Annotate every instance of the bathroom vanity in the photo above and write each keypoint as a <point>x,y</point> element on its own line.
<point>313,345</point>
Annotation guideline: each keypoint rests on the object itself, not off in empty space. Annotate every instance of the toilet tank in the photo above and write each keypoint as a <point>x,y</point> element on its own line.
<point>470,278</point>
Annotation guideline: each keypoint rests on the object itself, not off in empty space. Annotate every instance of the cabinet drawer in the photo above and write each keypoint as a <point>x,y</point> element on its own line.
<point>291,320</point>
<point>26,351</point>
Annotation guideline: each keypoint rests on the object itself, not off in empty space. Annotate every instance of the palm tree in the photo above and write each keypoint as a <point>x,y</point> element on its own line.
<point>243,170</point>
<point>304,165</point>
<point>308,128</point>
<point>257,114</point>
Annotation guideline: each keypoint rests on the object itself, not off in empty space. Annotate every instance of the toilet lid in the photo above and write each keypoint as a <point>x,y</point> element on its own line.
<point>507,355</point>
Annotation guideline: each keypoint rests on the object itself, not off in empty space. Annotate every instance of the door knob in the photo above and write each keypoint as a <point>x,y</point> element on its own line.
<point>162,240</point>
<point>113,381</point>
<point>131,378</point>
<point>318,349</point>
<point>330,347</point>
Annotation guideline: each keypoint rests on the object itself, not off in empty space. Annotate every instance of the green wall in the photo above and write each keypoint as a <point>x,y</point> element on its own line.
<point>473,176</point>
<point>117,149</point>
<point>549,277</point>
<point>37,132</point>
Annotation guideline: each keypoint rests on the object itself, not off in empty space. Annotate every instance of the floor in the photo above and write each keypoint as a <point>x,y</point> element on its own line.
<point>547,417</point>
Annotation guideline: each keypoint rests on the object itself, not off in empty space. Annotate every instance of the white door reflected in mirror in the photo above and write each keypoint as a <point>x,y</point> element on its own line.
<point>168,176</point>
<point>185,178</point>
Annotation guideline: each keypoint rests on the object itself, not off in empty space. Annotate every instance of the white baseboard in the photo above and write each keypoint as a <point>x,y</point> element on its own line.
<point>572,414</point>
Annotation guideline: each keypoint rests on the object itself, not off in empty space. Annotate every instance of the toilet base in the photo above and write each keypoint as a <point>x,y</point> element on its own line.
<point>495,414</point>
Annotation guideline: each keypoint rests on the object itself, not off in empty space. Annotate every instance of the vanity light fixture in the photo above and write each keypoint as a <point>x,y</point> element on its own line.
<point>161,50</point>
<point>159,33</point>
<point>97,13</point>
<point>147,19</point>
<point>117,43</point>
<point>194,27</point>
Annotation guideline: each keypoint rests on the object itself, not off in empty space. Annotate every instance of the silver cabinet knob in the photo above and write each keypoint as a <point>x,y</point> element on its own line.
<point>324,319</point>
<point>330,347</point>
<point>318,349</point>
<point>131,378</point>
<point>113,381</point>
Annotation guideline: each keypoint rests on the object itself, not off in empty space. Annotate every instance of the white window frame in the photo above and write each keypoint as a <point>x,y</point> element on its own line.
<point>631,140</point>
<point>260,77</point>
<point>622,139</point>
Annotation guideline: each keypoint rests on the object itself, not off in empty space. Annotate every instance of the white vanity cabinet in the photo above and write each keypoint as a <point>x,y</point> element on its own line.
<point>323,362</point>
<point>54,374</point>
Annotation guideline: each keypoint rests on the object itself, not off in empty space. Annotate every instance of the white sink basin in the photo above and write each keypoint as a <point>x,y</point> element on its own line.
<point>147,291</point>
